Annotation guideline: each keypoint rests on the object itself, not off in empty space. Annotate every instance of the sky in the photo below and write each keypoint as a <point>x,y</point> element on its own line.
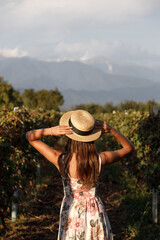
<point>119,30</point>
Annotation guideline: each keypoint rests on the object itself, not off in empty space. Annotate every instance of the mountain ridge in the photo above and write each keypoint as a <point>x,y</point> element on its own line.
<point>80,82</point>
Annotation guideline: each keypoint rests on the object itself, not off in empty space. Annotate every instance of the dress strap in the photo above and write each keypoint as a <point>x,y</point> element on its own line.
<point>100,162</point>
<point>64,165</point>
<point>63,160</point>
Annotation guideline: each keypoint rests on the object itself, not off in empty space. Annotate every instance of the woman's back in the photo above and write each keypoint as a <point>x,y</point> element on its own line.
<point>72,170</point>
<point>73,167</point>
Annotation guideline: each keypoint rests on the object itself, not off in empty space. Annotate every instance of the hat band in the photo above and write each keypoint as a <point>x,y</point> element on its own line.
<point>79,132</point>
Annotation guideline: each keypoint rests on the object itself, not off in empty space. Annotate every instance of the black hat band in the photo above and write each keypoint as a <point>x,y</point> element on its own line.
<point>79,132</point>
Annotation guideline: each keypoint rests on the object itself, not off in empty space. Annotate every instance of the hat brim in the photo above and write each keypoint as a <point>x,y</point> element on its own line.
<point>95,134</point>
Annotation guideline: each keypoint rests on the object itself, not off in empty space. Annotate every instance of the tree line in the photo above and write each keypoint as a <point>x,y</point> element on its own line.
<point>53,99</point>
<point>109,107</point>
<point>45,99</point>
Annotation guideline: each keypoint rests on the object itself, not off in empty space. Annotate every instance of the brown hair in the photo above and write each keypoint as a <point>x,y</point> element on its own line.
<point>87,161</point>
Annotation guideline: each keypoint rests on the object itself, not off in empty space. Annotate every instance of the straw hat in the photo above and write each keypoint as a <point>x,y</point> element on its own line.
<point>82,123</point>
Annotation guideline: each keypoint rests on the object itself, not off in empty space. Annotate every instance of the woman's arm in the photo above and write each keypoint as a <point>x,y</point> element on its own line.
<point>51,154</point>
<point>109,157</point>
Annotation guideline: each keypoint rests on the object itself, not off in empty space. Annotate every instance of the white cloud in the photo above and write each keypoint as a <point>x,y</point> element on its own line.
<point>47,29</point>
<point>115,50</point>
<point>16,52</point>
<point>88,49</point>
<point>73,13</point>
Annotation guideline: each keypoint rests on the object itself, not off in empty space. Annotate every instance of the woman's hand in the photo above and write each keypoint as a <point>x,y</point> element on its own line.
<point>109,157</point>
<point>106,128</point>
<point>61,130</point>
<point>48,152</point>
<point>55,131</point>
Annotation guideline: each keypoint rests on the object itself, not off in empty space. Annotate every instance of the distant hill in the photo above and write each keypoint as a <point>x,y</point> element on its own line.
<point>92,81</point>
<point>143,94</point>
<point>124,69</point>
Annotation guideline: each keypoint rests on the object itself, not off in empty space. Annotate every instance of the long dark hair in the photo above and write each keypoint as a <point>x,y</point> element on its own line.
<point>87,161</point>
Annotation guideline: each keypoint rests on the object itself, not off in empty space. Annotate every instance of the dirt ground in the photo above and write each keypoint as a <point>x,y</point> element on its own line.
<point>42,219</point>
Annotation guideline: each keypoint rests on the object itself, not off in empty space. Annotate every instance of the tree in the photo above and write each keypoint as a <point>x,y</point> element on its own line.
<point>109,107</point>
<point>45,99</point>
<point>128,104</point>
<point>49,99</point>
<point>92,108</point>
<point>8,95</point>
<point>29,98</point>
<point>149,105</point>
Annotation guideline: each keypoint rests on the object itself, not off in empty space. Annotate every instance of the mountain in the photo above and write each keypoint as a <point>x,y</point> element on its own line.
<point>142,94</point>
<point>95,80</point>
<point>30,73</point>
<point>124,69</point>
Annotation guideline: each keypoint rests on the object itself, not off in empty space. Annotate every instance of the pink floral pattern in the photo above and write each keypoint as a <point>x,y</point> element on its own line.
<point>82,214</point>
<point>77,223</point>
<point>92,207</point>
<point>80,194</point>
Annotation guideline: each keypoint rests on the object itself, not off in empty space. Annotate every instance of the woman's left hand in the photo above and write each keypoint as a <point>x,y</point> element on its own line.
<point>61,130</point>
<point>105,127</point>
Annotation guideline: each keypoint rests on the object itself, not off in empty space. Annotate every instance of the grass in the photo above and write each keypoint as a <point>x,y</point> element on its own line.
<point>138,206</point>
<point>139,216</point>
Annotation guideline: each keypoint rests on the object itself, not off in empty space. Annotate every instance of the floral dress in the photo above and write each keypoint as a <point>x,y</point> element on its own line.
<point>82,214</point>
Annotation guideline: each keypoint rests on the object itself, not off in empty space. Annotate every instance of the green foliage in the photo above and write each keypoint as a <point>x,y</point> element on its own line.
<point>149,135</point>
<point>8,96</point>
<point>109,107</point>
<point>18,160</point>
<point>138,206</point>
<point>144,132</point>
<point>137,106</point>
<point>29,98</point>
<point>129,105</point>
<point>44,99</point>
<point>92,108</point>
<point>112,173</point>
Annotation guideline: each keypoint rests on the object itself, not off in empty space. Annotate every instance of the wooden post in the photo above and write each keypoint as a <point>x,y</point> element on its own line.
<point>155,191</point>
<point>14,207</point>
<point>38,168</point>
<point>155,205</point>
<point>155,109</point>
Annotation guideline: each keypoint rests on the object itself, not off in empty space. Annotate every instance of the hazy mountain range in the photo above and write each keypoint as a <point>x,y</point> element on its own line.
<point>95,80</point>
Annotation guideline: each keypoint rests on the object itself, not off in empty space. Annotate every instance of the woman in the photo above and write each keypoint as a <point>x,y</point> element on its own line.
<point>82,214</point>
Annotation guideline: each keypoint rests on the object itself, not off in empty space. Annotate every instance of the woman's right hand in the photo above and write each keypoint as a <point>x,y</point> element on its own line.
<point>61,130</point>
<point>109,157</point>
<point>106,128</point>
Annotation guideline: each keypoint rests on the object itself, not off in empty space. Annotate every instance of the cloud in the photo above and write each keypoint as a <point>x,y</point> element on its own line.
<point>73,13</point>
<point>16,52</point>
<point>47,29</point>
<point>116,50</point>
